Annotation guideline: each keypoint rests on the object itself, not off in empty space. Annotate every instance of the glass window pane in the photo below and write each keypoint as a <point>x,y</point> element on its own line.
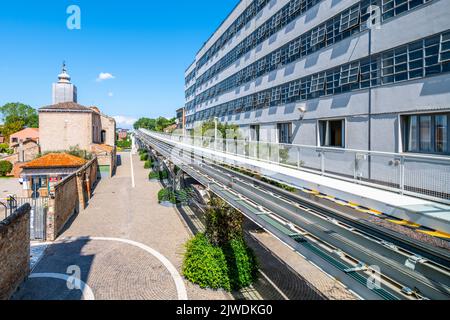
<point>425,133</point>
<point>412,134</point>
<point>441,132</point>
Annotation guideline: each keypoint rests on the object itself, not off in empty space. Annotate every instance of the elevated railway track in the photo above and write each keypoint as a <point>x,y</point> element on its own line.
<point>373,262</point>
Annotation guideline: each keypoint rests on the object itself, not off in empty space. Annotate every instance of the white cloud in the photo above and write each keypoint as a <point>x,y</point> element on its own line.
<point>105,76</point>
<point>124,121</point>
<point>110,94</point>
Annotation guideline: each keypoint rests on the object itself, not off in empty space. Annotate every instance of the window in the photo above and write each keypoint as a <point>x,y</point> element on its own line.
<point>349,19</point>
<point>261,66</point>
<point>294,89</point>
<point>294,6</point>
<point>294,48</point>
<point>426,133</point>
<point>285,133</point>
<point>276,58</point>
<point>261,98</point>
<point>332,133</point>
<point>349,73</point>
<point>444,52</point>
<point>14,140</point>
<point>318,35</point>
<point>276,94</point>
<point>255,133</point>
<point>276,20</point>
<point>318,82</point>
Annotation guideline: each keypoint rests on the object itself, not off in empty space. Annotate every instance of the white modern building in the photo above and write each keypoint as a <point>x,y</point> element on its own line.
<point>365,75</point>
<point>335,77</point>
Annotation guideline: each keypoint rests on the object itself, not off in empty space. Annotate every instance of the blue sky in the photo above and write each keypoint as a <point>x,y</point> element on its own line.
<point>145,45</point>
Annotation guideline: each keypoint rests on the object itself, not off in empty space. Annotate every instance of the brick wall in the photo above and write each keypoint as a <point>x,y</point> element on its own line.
<point>70,196</point>
<point>14,251</point>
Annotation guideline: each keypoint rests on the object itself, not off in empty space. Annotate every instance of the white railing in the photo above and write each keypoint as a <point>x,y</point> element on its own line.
<point>425,176</point>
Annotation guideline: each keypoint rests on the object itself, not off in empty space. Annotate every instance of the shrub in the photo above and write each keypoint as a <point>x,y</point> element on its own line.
<point>5,168</point>
<point>242,264</point>
<point>144,157</point>
<point>148,164</point>
<point>168,195</point>
<point>163,175</point>
<point>153,175</point>
<point>205,265</point>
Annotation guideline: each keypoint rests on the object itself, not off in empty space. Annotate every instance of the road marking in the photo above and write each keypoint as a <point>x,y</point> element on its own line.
<point>179,283</point>
<point>133,183</point>
<point>88,294</point>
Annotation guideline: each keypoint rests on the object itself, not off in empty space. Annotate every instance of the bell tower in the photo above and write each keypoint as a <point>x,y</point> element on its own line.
<point>64,90</point>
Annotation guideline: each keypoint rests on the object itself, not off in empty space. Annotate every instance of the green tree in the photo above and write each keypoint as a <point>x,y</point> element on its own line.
<point>19,112</point>
<point>154,124</point>
<point>5,168</point>
<point>145,123</point>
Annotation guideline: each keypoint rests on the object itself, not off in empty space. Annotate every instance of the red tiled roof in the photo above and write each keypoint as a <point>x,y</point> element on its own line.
<point>66,106</point>
<point>56,160</point>
<point>28,133</point>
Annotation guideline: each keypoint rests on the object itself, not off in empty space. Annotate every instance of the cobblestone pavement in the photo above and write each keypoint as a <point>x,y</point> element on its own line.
<point>115,270</point>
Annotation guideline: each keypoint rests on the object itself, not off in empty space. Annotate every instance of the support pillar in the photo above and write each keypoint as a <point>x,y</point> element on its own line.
<point>80,188</point>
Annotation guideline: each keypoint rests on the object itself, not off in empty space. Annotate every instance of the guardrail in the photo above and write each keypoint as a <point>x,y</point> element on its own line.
<point>423,176</point>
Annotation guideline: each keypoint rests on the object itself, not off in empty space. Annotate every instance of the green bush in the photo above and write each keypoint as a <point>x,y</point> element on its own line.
<point>5,168</point>
<point>144,157</point>
<point>148,164</point>
<point>168,195</point>
<point>153,175</point>
<point>124,144</point>
<point>242,264</point>
<point>163,175</point>
<point>231,267</point>
<point>205,265</point>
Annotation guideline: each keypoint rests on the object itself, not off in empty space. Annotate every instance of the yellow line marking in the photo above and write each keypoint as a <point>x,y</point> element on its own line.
<point>405,223</point>
<point>437,234</point>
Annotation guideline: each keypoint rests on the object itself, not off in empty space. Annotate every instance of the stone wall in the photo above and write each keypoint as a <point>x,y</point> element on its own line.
<point>69,197</point>
<point>14,251</point>
<point>63,130</point>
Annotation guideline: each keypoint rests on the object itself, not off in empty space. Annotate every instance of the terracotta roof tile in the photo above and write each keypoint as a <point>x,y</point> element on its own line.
<point>56,160</point>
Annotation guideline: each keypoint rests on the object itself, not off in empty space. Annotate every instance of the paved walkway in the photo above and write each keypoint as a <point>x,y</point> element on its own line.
<point>146,267</point>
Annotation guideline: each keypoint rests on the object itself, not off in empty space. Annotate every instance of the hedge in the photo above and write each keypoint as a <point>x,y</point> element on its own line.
<point>206,265</point>
<point>231,267</point>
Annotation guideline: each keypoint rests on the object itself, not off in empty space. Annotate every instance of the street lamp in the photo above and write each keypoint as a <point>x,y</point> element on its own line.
<point>302,111</point>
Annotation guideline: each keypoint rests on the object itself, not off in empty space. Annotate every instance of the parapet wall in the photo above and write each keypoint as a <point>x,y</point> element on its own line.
<point>14,251</point>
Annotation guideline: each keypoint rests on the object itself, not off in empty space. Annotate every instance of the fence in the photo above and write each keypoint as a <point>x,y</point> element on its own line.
<point>38,214</point>
<point>422,176</point>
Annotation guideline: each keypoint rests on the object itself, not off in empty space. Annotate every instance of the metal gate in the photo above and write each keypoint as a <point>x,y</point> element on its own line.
<point>38,214</point>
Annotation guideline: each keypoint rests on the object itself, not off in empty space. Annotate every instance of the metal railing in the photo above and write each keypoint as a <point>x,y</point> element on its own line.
<point>423,176</point>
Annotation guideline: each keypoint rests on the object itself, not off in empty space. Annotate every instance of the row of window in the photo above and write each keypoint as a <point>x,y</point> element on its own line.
<point>249,13</point>
<point>353,18</point>
<point>334,30</point>
<point>278,21</point>
<point>421,133</point>
<point>351,21</point>
<point>419,59</point>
